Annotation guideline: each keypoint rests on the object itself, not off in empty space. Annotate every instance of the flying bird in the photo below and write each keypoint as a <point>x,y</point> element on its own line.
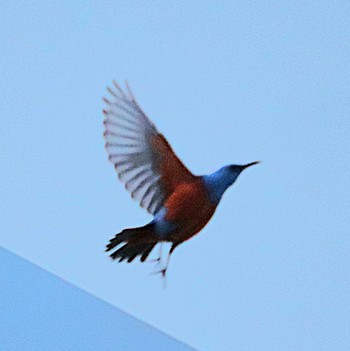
<point>181,203</point>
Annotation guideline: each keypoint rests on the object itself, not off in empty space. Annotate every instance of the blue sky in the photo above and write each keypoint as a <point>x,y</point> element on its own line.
<point>226,83</point>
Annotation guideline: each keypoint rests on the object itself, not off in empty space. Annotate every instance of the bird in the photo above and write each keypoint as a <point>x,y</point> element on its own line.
<point>181,203</point>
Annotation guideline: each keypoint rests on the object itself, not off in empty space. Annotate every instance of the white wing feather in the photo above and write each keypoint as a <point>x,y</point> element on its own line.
<point>128,134</point>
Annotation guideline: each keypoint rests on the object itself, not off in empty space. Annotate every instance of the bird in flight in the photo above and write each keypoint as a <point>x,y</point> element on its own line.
<point>181,203</point>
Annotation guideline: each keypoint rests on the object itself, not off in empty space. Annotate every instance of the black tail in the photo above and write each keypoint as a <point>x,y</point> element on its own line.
<point>138,242</point>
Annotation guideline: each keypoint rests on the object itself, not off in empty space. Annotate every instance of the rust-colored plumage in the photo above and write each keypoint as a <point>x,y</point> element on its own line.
<point>171,170</point>
<point>190,207</point>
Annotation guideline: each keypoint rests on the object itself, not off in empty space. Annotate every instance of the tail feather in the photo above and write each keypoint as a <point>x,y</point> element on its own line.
<point>137,242</point>
<point>147,251</point>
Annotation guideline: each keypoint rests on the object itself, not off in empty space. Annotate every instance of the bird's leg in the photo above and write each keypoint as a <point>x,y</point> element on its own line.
<point>159,259</point>
<point>164,270</point>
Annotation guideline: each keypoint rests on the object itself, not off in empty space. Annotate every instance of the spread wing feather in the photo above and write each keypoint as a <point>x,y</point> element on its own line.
<point>142,157</point>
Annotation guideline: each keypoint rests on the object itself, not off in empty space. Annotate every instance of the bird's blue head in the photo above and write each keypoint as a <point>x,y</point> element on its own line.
<point>217,182</point>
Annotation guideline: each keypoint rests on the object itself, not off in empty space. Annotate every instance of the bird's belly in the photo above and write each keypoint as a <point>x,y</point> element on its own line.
<point>190,209</point>
<point>189,224</point>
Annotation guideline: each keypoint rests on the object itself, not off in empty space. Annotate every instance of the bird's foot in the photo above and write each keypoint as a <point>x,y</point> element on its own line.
<point>157,260</point>
<point>162,271</point>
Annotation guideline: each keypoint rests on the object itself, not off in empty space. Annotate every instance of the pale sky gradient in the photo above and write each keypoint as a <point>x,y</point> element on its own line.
<point>226,82</point>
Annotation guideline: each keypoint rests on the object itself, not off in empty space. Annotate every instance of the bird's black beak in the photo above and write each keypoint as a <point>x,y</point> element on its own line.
<point>250,164</point>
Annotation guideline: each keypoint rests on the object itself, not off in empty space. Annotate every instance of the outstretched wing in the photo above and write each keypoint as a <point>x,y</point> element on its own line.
<point>142,157</point>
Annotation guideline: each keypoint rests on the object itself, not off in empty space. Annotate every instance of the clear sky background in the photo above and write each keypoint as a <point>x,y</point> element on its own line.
<point>226,82</point>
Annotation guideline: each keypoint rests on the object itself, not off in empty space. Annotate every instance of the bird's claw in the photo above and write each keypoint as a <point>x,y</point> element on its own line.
<point>155,260</point>
<point>162,271</point>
